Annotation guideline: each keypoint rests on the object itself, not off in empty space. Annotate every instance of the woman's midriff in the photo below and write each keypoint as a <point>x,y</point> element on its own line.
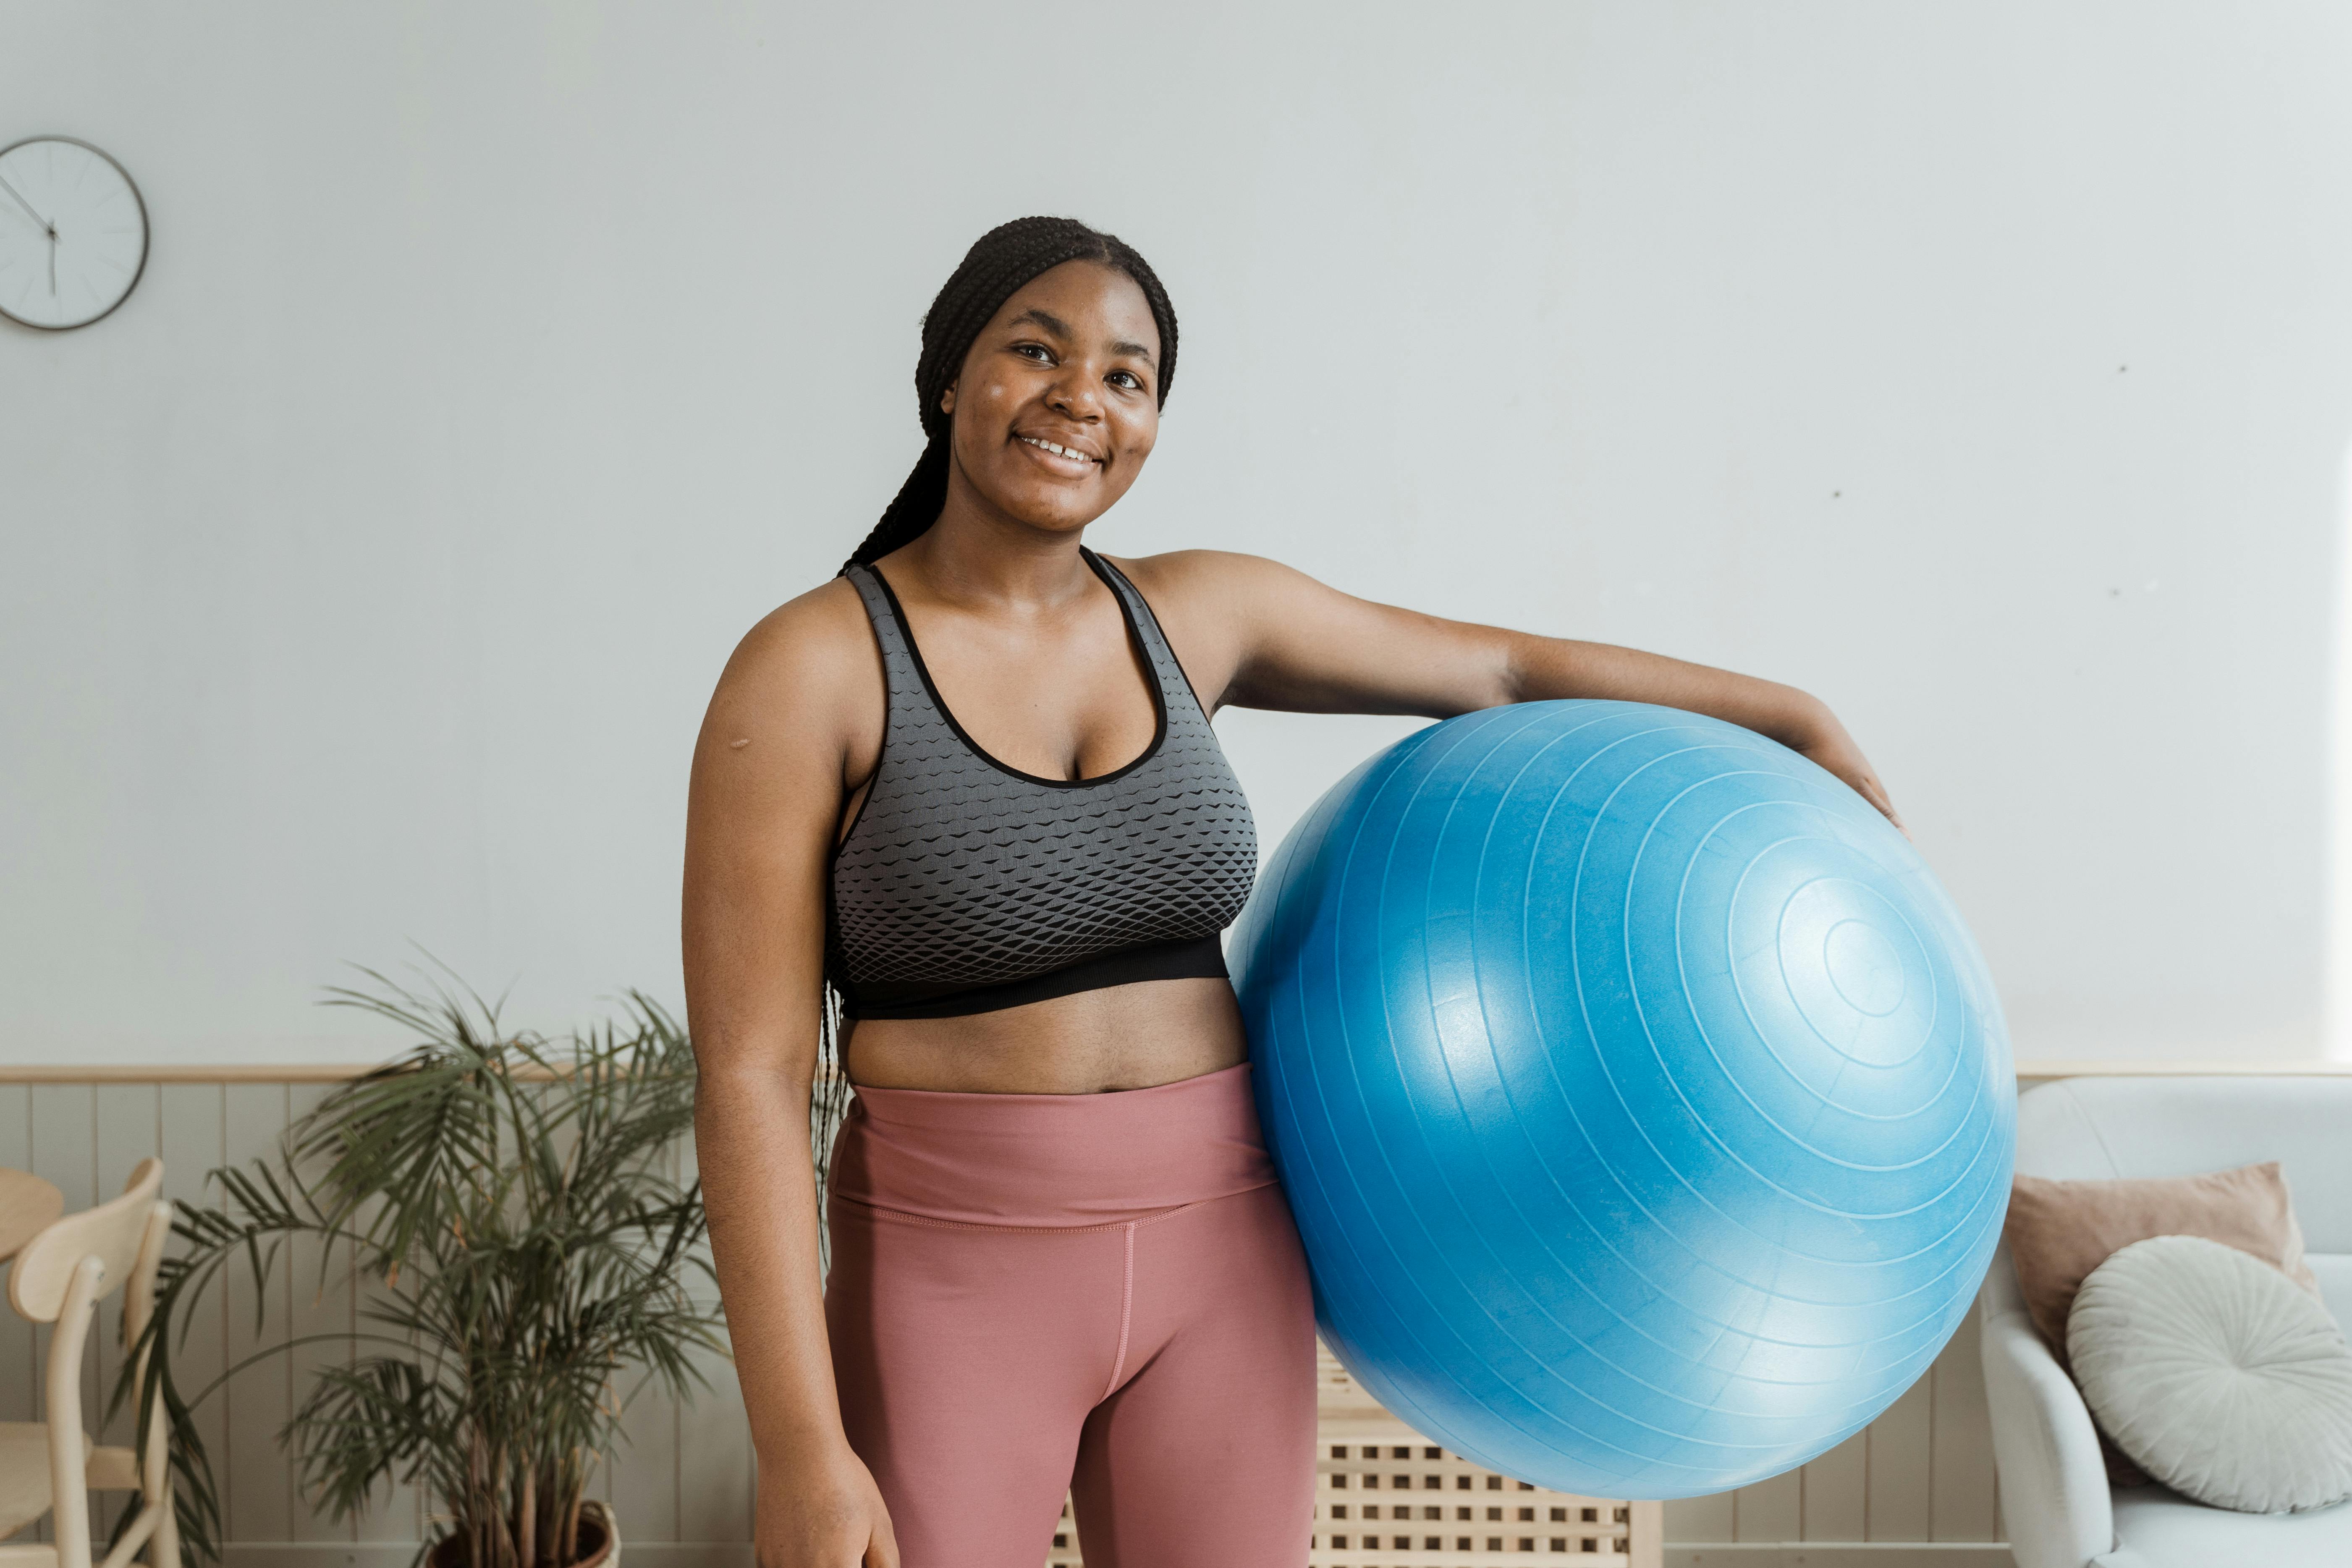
<point>1052,1161</point>
<point>1119,1038</point>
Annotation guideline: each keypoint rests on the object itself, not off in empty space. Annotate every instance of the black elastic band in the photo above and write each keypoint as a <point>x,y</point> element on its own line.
<point>1187,958</point>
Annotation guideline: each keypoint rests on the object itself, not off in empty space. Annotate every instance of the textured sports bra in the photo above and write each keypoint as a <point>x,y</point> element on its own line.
<point>965,885</point>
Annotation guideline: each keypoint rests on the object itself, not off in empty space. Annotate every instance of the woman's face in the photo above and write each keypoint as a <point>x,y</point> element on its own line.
<point>1058,401</point>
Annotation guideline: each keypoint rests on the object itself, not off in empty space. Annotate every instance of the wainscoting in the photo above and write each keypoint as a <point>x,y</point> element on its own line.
<point>682,1491</point>
<point>1917,1487</point>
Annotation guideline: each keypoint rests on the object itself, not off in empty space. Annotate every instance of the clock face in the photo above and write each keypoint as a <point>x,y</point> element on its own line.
<point>73,233</point>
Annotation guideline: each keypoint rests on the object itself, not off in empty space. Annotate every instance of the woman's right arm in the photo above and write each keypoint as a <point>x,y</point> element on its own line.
<point>780,738</point>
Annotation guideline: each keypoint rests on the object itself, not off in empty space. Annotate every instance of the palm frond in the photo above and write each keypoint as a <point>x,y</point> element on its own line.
<point>506,1208</point>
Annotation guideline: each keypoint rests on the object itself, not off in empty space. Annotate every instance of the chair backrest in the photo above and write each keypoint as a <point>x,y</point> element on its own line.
<point>112,1232</point>
<point>2090,1128</point>
<point>58,1277</point>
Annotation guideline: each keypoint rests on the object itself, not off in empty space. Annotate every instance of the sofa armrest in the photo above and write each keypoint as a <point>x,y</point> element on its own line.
<point>2055,1502</point>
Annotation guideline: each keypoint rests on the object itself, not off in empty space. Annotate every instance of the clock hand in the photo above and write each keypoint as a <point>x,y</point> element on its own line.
<point>46,227</point>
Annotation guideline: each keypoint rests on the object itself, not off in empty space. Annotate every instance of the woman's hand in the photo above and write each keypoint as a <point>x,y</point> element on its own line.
<point>1827,744</point>
<point>826,1515</point>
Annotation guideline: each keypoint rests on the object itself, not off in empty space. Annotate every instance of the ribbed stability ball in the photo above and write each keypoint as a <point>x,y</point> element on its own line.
<point>1645,1108</point>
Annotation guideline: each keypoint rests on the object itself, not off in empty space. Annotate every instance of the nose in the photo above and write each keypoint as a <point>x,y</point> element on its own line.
<point>1072,395</point>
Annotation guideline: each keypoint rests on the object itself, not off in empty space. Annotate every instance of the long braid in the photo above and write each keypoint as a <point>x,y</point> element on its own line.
<point>1000,262</point>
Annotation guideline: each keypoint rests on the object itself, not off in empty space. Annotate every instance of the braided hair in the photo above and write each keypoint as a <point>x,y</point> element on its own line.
<point>999,261</point>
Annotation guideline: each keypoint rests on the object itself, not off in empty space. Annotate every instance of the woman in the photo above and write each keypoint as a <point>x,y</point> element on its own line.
<point>970,787</point>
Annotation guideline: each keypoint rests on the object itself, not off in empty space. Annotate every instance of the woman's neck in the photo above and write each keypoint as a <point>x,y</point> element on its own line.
<point>972,558</point>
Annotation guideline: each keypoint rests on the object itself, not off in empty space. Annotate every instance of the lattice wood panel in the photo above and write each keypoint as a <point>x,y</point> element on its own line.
<point>1386,1497</point>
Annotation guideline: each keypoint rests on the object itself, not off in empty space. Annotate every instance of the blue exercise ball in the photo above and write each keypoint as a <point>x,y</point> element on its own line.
<point>1645,1106</point>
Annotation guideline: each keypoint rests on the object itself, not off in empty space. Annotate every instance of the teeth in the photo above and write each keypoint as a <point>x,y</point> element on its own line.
<point>1059,451</point>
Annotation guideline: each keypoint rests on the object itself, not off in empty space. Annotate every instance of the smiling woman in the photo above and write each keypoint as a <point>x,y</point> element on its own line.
<point>1013,365</point>
<point>967,795</point>
<point>1071,281</point>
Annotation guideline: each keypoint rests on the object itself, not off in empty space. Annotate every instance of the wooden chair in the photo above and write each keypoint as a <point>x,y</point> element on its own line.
<point>50,1467</point>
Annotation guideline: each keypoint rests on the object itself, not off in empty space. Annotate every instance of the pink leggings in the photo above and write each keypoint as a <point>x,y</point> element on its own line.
<point>1097,1293</point>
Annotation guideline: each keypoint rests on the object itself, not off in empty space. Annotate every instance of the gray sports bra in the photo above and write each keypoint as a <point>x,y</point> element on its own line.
<point>965,885</point>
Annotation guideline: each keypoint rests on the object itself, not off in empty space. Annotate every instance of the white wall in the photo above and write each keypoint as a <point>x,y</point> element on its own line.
<point>1987,369</point>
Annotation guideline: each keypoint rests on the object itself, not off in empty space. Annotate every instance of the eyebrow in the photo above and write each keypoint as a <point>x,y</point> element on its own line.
<point>1052,323</point>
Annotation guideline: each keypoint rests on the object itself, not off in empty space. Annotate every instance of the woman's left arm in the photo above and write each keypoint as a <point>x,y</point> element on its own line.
<point>1284,641</point>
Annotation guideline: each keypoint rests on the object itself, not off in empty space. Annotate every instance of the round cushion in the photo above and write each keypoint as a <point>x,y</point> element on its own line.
<point>2217,1375</point>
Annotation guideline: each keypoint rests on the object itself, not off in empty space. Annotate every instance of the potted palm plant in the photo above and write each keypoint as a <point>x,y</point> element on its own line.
<point>509,1212</point>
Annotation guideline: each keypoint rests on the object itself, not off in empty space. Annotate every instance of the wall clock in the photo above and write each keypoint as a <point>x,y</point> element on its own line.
<point>73,233</point>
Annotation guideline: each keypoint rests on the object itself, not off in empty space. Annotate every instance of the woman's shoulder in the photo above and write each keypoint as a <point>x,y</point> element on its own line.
<point>812,650</point>
<point>1215,574</point>
<point>1226,585</point>
<point>785,729</point>
<point>1215,606</point>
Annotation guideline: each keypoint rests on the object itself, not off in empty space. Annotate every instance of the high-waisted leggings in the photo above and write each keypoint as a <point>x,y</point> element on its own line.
<point>1098,1294</point>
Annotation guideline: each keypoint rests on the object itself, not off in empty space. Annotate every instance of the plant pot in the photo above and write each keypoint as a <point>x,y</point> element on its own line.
<point>600,1542</point>
<point>601,1549</point>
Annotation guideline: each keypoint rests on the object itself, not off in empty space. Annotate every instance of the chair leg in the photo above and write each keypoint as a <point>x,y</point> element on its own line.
<point>68,1481</point>
<point>163,1552</point>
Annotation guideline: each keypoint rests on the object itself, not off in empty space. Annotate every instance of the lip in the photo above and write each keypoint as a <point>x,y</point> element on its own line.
<point>1065,467</point>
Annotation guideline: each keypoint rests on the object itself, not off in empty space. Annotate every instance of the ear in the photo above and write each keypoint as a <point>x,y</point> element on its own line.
<point>947,399</point>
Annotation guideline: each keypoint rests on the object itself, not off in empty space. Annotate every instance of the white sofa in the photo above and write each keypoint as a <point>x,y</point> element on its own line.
<point>2054,1498</point>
